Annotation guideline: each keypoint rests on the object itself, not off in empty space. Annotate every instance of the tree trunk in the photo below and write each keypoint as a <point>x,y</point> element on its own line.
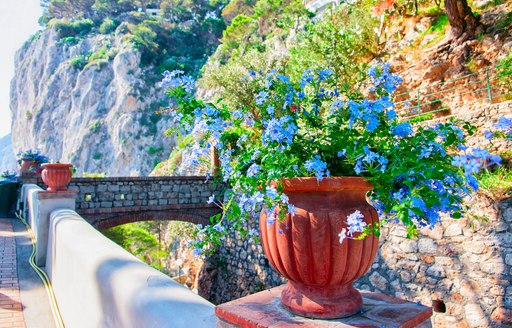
<point>462,21</point>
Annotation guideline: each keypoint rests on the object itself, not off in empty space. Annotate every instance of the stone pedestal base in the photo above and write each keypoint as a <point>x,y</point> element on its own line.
<point>39,218</point>
<point>264,309</point>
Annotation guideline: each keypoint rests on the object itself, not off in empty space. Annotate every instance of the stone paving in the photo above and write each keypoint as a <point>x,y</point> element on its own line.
<point>11,309</point>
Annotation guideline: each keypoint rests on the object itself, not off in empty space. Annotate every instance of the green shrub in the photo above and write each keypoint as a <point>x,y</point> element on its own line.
<point>439,24</point>
<point>66,28</point>
<point>108,26</point>
<point>152,150</point>
<point>94,175</point>
<point>504,74</point>
<point>343,41</point>
<point>95,126</point>
<point>69,40</point>
<point>143,38</point>
<point>497,180</point>
<point>96,156</point>
<point>78,62</point>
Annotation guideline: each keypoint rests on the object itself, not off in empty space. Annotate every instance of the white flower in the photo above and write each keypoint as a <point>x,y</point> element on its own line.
<point>355,223</point>
<point>342,235</point>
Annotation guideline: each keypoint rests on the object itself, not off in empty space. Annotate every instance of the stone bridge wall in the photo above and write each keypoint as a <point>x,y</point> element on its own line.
<point>107,202</point>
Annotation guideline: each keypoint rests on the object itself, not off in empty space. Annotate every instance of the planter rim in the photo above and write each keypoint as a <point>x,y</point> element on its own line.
<point>56,165</point>
<point>327,184</point>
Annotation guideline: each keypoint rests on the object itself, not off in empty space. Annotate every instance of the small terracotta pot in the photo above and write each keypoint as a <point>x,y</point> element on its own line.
<point>27,165</point>
<point>57,176</point>
<point>306,249</point>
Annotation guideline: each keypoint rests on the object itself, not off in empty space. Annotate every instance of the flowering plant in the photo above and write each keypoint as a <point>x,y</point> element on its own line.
<point>308,128</point>
<point>9,175</point>
<point>35,154</point>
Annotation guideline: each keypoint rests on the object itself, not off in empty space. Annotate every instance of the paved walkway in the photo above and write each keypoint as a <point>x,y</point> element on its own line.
<point>23,297</point>
<point>11,309</point>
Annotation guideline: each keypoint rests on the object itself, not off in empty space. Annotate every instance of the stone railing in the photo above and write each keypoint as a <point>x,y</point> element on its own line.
<point>96,282</point>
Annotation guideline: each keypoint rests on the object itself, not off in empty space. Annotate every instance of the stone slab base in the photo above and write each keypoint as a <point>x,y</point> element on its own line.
<point>264,309</point>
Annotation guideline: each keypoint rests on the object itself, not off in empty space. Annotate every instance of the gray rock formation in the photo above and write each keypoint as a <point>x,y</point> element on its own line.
<point>100,117</point>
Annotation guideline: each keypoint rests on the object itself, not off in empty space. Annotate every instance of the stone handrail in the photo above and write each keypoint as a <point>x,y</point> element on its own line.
<point>96,282</point>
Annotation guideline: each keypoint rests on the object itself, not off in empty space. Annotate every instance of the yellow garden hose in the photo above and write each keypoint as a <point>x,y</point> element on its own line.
<point>43,276</point>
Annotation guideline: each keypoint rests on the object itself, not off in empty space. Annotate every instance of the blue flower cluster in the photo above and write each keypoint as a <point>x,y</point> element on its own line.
<point>504,125</point>
<point>385,79</point>
<point>318,167</point>
<point>280,130</point>
<point>34,154</point>
<point>474,161</point>
<point>175,79</point>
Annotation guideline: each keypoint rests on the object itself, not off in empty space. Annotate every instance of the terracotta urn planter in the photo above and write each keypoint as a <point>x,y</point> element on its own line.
<point>306,248</point>
<point>28,165</point>
<point>57,176</point>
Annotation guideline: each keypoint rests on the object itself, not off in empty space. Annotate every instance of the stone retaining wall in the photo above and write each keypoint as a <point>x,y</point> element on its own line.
<point>465,265</point>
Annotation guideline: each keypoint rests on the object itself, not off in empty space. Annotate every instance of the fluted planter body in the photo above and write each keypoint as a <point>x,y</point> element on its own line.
<point>57,176</point>
<point>306,248</point>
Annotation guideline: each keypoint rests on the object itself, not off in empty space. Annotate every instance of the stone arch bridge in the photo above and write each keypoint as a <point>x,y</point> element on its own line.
<point>108,202</point>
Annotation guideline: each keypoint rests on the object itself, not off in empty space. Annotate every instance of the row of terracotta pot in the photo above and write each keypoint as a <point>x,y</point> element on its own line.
<point>55,175</point>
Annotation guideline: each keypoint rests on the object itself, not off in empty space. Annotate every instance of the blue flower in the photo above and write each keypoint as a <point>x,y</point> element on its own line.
<point>373,123</point>
<point>197,252</point>
<point>481,153</point>
<point>419,203</point>
<point>210,111</point>
<point>459,160</point>
<point>426,152</point>
<point>188,83</point>
<point>219,227</point>
<point>253,170</point>
<point>279,130</point>
<point>317,166</point>
<point>288,99</point>
<point>488,135</point>
<point>358,168</point>
<point>291,209</point>
<point>337,104</point>
<point>324,74</point>
<point>504,123</point>
<point>472,182</point>
<point>283,78</point>
<point>283,198</point>
<point>383,161</point>
<point>261,98</point>
<point>270,110</point>
<point>402,130</point>
<point>494,160</point>
<point>342,153</point>
<point>307,77</point>
<point>271,192</point>
<point>472,166</point>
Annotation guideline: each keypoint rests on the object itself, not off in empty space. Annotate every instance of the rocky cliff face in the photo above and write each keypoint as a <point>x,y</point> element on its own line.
<point>100,116</point>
